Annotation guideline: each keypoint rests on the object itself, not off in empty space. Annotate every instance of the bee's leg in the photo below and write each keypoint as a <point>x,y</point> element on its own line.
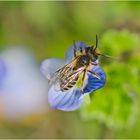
<point>83,76</point>
<point>74,52</point>
<point>74,48</point>
<point>84,73</point>
<point>94,74</point>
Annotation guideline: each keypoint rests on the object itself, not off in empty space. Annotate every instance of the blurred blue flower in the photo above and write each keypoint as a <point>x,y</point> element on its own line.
<point>22,87</point>
<point>71,99</point>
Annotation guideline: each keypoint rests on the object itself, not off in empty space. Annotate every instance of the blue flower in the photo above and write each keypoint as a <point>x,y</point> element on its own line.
<point>71,99</point>
<point>22,87</point>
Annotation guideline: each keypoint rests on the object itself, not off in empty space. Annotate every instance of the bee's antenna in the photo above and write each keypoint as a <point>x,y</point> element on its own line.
<point>74,44</point>
<point>107,56</point>
<point>96,41</point>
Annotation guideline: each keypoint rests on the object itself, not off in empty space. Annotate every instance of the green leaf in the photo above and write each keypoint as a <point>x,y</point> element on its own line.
<point>117,104</point>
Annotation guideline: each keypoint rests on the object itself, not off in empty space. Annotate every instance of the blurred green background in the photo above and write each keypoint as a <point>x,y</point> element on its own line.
<point>48,29</point>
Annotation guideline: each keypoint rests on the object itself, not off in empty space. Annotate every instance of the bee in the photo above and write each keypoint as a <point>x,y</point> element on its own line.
<point>75,72</point>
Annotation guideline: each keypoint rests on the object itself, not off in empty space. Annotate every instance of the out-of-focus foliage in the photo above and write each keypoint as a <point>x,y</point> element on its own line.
<point>117,103</point>
<point>47,29</point>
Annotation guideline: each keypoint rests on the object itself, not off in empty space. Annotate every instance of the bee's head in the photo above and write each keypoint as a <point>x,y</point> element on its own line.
<point>93,52</point>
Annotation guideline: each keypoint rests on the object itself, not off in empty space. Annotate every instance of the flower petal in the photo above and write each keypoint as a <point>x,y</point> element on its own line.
<point>50,66</point>
<point>70,52</point>
<point>93,82</point>
<point>67,101</point>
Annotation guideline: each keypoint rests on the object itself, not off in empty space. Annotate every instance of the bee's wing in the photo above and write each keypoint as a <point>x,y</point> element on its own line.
<point>71,79</point>
<point>59,74</point>
<point>66,75</point>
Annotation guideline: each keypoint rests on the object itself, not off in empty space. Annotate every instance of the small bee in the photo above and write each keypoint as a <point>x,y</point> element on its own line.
<point>75,72</point>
